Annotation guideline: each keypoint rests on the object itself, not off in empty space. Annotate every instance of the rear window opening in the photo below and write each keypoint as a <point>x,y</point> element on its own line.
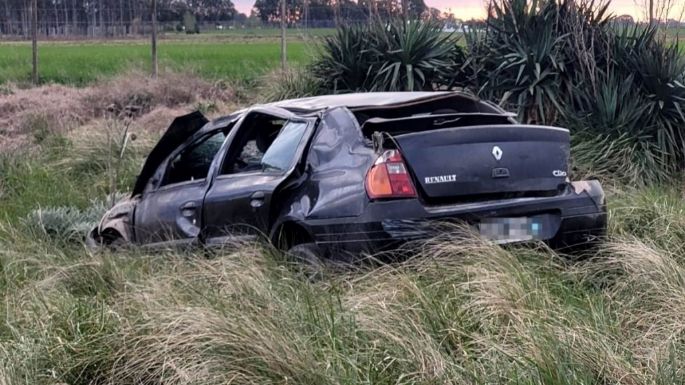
<point>448,112</point>
<point>430,122</point>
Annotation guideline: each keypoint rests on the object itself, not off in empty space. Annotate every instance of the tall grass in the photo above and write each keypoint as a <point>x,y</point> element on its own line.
<point>462,311</point>
<point>459,311</point>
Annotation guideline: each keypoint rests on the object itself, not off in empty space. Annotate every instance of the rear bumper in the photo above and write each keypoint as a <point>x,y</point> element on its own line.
<point>575,216</point>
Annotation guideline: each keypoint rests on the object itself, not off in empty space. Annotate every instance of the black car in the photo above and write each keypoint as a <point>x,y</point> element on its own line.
<point>356,173</point>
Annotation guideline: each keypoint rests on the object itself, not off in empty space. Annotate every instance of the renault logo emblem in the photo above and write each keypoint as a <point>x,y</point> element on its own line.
<point>497,152</point>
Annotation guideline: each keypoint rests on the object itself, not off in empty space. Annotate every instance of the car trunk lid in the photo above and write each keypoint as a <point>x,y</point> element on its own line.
<point>481,161</point>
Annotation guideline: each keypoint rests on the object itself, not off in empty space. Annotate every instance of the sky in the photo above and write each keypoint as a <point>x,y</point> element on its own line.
<point>468,9</point>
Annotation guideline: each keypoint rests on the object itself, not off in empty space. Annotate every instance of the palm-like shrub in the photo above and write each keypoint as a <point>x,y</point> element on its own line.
<point>530,50</point>
<point>522,64</point>
<point>411,56</point>
<point>562,62</point>
<point>392,56</point>
<point>634,101</point>
<point>345,63</point>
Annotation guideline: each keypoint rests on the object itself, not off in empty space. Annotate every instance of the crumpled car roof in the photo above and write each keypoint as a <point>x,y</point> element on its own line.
<point>366,99</point>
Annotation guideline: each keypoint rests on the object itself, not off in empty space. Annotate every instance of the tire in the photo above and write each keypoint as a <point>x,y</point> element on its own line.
<point>309,258</point>
<point>109,240</point>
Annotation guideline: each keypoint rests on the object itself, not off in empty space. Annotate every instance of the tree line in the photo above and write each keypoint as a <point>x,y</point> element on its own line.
<point>299,11</point>
<point>104,18</point>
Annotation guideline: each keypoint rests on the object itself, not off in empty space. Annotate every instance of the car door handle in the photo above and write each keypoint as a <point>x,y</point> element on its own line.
<point>257,199</point>
<point>188,209</point>
<point>189,206</point>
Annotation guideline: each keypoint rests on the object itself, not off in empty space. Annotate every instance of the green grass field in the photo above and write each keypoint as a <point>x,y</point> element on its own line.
<point>82,63</point>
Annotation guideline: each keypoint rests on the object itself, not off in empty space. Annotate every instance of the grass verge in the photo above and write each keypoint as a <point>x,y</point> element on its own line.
<point>461,311</point>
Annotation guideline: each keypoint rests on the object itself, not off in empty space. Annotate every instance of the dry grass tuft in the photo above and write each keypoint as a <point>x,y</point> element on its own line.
<point>28,116</point>
<point>136,94</point>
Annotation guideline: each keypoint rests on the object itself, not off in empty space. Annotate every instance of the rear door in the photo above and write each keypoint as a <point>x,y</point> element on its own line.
<point>238,203</point>
<point>169,214</point>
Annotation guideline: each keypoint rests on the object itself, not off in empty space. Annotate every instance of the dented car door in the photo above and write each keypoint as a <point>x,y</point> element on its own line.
<point>239,200</point>
<point>171,213</point>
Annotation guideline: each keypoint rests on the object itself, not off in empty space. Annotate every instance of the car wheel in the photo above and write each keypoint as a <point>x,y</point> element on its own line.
<point>109,240</point>
<point>309,257</point>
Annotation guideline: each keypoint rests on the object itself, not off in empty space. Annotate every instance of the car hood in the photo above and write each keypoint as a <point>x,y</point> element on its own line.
<point>182,128</point>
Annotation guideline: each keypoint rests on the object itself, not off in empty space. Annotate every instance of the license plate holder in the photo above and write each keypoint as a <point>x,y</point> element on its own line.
<point>511,229</point>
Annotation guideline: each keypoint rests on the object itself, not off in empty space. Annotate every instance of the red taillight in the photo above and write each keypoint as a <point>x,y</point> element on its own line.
<point>389,178</point>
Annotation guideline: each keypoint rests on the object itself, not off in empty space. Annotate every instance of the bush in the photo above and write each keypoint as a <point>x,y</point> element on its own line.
<point>293,83</point>
<point>634,101</point>
<point>620,92</point>
<point>392,56</point>
<point>68,224</point>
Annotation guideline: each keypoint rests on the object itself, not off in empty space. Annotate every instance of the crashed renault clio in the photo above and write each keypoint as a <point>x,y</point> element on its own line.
<point>356,173</point>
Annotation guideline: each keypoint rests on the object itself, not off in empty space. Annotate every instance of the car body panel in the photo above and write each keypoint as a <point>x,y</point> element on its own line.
<point>337,162</point>
<point>385,224</point>
<point>170,213</point>
<point>117,220</point>
<point>492,159</point>
<point>361,100</point>
<point>241,203</point>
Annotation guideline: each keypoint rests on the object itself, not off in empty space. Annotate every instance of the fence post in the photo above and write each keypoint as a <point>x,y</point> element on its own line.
<point>306,16</point>
<point>34,41</point>
<point>283,45</point>
<point>155,67</point>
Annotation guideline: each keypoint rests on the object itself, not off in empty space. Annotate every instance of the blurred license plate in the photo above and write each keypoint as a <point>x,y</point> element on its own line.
<point>504,230</point>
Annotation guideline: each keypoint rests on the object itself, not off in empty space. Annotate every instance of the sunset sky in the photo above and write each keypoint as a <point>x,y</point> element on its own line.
<point>467,9</point>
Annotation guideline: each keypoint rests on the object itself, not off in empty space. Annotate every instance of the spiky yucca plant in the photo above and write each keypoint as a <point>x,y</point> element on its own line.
<point>634,101</point>
<point>562,62</point>
<point>344,64</point>
<point>392,56</point>
<point>528,52</point>
<point>411,56</point>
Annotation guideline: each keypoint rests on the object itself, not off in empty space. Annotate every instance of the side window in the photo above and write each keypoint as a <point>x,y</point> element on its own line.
<point>193,163</point>
<point>280,154</point>
<point>251,143</point>
<point>265,145</point>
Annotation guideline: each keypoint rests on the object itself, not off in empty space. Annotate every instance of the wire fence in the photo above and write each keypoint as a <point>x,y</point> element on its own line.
<point>84,22</point>
<point>54,30</point>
